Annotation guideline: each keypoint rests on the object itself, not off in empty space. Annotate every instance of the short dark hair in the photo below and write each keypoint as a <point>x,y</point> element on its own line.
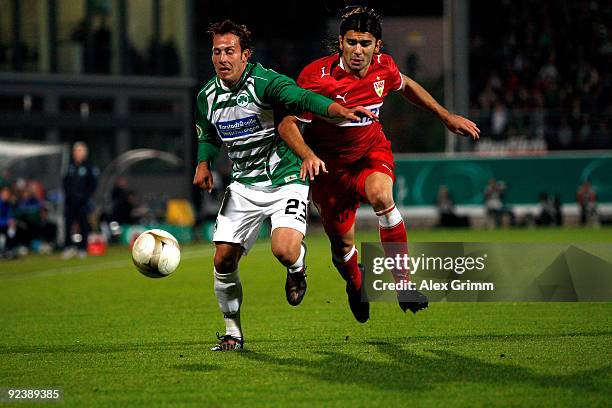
<point>361,19</point>
<point>229,27</point>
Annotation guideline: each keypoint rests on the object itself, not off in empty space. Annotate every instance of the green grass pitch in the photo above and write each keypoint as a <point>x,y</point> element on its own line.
<point>108,336</point>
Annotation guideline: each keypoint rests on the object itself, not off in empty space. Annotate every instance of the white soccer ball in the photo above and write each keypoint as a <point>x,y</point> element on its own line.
<point>156,253</point>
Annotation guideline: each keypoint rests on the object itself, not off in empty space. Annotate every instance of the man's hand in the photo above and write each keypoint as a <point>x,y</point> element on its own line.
<point>203,177</point>
<point>359,112</point>
<point>462,126</point>
<point>290,133</point>
<point>336,110</point>
<point>311,166</point>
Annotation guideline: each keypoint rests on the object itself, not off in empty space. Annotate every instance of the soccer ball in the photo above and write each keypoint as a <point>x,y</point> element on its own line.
<point>156,253</point>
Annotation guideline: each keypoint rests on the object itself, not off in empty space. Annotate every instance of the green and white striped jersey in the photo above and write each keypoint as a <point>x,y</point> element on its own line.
<point>243,117</point>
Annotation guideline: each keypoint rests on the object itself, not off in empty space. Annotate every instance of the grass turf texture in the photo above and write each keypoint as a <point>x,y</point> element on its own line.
<point>110,337</point>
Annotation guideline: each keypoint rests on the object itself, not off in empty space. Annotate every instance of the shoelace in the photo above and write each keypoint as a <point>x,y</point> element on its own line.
<point>227,337</point>
<point>301,275</point>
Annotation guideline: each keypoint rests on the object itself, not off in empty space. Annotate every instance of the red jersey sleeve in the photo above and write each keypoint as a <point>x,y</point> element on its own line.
<point>395,76</point>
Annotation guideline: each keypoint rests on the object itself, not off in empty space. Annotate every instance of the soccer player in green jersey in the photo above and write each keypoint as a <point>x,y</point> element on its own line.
<point>240,107</point>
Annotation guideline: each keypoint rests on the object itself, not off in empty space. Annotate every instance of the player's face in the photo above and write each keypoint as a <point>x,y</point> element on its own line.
<point>357,50</point>
<point>228,59</point>
<point>79,154</point>
<point>5,194</point>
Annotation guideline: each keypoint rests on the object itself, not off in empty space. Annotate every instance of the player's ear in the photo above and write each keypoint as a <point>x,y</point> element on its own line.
<point>340,42</point>
<point>246,54</point>
<point>377,47</point>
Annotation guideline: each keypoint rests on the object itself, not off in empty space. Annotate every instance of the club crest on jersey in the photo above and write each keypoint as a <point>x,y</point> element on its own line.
<point>242,99</point>
<point>379,87</point>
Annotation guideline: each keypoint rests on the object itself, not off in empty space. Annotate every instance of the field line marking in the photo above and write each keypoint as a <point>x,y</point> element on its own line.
<point>190,254</point>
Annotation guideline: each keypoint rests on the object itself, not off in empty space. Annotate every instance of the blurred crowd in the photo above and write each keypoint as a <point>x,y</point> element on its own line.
<point>24,219</point>
<point>26,224</point>
<point>549,210</point>
<point>32,220</point>
<point>540,69</point>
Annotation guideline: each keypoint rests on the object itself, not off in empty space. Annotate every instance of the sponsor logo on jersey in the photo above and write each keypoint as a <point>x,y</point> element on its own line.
<point>199,131</point>
<point>239,127</point>
<point>242,99</point>
<point>365,121</point>
<point>379,87</point>
<point>323,72</point>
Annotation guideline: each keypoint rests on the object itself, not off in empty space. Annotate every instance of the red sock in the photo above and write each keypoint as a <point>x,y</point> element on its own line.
<point>349,269</point>
<point>396,235</point>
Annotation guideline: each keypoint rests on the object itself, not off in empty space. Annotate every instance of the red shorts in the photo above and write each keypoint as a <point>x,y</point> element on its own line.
<point>339,193</point>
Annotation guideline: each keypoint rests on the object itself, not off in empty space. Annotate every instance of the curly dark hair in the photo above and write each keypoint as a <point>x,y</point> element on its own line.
<point>229,27</point>
<point>359,18</point>
<point>362,19</point>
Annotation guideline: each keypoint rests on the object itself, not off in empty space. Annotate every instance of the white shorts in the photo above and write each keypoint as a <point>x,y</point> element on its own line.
<point>244,209</point>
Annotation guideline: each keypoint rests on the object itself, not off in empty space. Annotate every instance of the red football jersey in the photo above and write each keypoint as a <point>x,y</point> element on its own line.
<point>346,141</point>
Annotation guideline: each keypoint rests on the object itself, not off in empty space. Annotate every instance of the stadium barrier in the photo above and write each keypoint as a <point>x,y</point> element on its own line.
<point>419,177</point>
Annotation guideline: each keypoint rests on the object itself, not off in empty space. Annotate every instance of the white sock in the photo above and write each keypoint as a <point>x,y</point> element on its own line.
<point>299,264</point>
<point>346,256</point>
<point>228,290</point>
<point>390,217</point>
<point>232,326</point>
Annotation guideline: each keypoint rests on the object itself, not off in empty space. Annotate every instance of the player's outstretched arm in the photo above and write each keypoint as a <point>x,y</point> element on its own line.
<point>203,177</point>
<point>416,94</point>
<point>283,91</point>
<point>335,110</point>
<point>311,164</point>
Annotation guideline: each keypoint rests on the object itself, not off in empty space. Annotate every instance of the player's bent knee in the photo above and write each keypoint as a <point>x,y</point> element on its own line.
<point>379,189</point>
<point>225,262</point>
<point>380,199</point>
<point>286,252</point>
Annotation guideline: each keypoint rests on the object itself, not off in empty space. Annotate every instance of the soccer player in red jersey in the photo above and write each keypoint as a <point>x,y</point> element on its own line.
<point>352,160</point>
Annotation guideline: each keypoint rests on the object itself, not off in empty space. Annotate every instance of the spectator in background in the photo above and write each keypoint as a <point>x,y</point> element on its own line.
<point>27,213</point>
<point>446,210</point>
<point>79,186</point>
<point>556,61</point>
<point>8,225</point>
<point>5,178</point>
<point>96,45</point>
<point>558,210</point>
<point>123,202</point>
<point>546,211</point>
<point>499,119</point>
<point>494,204</point>
<point>412,64</point>
<point>565,134</point>
<point>101,43</point>
<point>46,232</point>
<point>587,202</point>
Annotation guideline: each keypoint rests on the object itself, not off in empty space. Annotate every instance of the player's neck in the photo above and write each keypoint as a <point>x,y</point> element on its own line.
<point>228,84</point>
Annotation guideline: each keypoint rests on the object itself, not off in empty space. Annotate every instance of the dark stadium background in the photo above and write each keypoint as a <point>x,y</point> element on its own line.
<point>534,74</point>
<point>123,75</point>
